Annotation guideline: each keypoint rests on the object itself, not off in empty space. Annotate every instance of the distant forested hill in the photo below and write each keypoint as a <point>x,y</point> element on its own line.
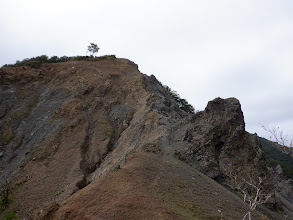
<point>275,156</point>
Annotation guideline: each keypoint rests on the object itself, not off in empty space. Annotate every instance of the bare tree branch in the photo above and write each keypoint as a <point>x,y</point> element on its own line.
<point>278,135</point>
<point>251,186</point>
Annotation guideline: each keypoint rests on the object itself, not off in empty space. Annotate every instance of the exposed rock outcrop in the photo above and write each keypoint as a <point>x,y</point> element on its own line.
<point>284,189</point>
<point>217,141</point>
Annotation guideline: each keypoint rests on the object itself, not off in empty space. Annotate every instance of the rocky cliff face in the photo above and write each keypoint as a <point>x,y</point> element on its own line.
<point>67,125</point>
<point>284,189</point>
<point>218,141</point>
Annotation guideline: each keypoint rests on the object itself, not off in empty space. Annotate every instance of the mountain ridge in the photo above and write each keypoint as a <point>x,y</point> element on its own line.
<point>75,123</point>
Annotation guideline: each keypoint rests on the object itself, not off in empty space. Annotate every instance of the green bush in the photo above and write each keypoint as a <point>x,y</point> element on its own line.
<point>34,64</point>
<point>9,216</point>
<point>53,59</point>
<point>182,103</point>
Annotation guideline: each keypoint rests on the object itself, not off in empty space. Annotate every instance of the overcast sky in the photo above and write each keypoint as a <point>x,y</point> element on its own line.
<point>203,49</point>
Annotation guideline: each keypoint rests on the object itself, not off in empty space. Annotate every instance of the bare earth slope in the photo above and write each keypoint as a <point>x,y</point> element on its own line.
<point>100,140</point>
<point>152,186</point>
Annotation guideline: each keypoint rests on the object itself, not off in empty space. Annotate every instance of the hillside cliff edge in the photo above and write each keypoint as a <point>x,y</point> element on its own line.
<point>67,127</point>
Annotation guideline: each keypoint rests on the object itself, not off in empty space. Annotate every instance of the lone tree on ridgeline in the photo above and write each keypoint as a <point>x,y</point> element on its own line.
<point>93,49</point>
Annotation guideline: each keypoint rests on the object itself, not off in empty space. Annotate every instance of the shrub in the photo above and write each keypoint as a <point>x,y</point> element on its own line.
<point>34,64</point>
<point>182,103</point>
<point>9,216</point>
<point>53,59</point>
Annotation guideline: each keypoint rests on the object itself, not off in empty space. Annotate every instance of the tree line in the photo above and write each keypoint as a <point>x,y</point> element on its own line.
<point>36,62</point>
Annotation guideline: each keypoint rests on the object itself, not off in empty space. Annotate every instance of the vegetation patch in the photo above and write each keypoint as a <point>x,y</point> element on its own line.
<point>106,129</point>
<point>186,209</point>
<point>36,62</point>
<point>9,216</point>
<point>19,115</point>
<point>59,192</point>
<point>7,137</point>
<point>16,142</point>
<point>274,157</point>
<point>22,107</point>
<point>182,103</point>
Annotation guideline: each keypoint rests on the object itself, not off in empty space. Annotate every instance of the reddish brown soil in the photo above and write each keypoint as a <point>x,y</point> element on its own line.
<point>152,186</point>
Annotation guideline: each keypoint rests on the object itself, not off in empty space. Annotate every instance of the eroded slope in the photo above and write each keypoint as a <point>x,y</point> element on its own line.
<point>152,186</point>
<point>88,118</point>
